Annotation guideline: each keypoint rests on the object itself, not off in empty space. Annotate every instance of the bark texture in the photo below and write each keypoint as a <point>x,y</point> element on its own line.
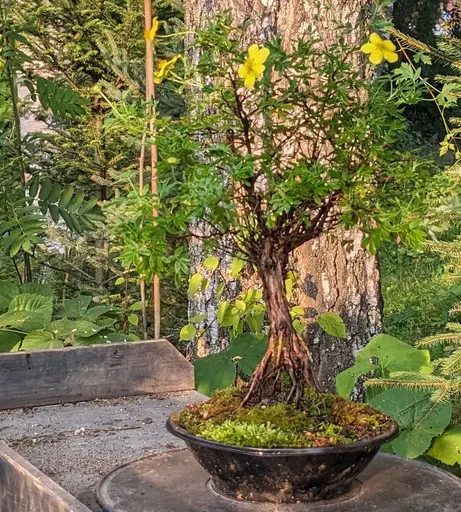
<point>336,274</point>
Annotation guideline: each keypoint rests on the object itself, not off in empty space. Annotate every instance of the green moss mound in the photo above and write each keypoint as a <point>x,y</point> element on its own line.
<point>320,420</point>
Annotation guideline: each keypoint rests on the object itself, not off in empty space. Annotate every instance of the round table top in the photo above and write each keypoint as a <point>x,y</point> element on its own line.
<point>175,482</point>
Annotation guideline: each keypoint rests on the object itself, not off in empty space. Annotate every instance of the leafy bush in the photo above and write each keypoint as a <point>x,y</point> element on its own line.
<point>420,394</point>
<point>28,320</point>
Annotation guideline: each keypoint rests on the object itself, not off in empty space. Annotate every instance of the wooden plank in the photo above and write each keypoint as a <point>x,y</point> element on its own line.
<point>23,488</point>
<point>48,377</point>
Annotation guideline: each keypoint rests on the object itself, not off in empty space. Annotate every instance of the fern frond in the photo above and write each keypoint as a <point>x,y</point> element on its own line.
<point>455,309</point>
<point>410,380</point>
<point>451,365</point>
<point>440,339</point>
<point>414,45</point>
<point>448,79</point>
<point>454,327</point>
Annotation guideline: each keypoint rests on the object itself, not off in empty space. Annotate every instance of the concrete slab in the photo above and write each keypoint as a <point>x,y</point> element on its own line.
<point>175,482</point>
<point>76,444</point>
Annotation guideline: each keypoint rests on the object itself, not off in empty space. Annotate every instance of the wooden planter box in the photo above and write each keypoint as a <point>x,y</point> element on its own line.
<point>49,377</point>
<point>23,488</point>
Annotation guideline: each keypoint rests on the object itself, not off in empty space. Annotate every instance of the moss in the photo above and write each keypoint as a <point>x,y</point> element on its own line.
<point>280,416</point>
<point>359,419</point>
<point>320,419</point>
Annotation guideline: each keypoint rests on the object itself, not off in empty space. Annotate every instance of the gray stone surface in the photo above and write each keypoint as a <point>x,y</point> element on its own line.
<point>77,444</point>
<point>174,482</point>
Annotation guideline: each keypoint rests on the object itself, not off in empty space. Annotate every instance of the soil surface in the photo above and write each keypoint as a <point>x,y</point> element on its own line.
<point>77,444</point>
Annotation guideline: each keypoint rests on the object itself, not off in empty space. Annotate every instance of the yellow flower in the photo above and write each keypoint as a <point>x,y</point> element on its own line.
<point>163,68</point>
<point>150,34</point>
<point>380,49</point>
<point>253,67</point>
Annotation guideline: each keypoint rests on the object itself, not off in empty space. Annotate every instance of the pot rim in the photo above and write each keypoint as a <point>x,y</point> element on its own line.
<point>372,442</point>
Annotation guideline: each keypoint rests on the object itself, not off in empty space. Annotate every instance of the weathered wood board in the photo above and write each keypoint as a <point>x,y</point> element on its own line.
<point>23,488</point>
<point>48,377</point>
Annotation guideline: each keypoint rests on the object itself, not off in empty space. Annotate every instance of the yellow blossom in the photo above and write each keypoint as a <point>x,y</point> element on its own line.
<point>380,49</point>
<point>151,34</point>
<point>253,67</point>
<point>163,68</point>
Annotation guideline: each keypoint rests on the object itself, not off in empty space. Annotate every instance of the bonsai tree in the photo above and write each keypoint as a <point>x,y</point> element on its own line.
<point>278,148</point>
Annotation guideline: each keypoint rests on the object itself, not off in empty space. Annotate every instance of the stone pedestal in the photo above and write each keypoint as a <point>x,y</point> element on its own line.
<point>175,482</point>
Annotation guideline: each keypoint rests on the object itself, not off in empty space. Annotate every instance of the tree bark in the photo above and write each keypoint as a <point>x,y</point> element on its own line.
<point>287,355</point>
<point>335,273</point>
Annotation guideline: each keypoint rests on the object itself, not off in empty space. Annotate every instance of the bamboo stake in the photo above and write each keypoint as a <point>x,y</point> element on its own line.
<point>150,96</point>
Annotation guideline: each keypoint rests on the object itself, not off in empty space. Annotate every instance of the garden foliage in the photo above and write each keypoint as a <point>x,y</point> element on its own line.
<point>30,319</point>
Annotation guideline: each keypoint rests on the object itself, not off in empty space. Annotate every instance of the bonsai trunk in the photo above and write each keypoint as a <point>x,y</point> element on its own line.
<point>286,367</point>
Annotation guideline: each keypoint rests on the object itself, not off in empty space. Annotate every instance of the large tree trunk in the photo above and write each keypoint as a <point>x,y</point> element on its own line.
<point>336,274</point>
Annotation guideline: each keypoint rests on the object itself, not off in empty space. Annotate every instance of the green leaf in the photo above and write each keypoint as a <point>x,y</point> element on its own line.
<point>211,263</point>
<point>222,308</point>
<point>187,333</point>
<point>45,190</point>
<point>256,321</point>
<point>40,339</point>
<point>296,311</point>
<point>8,291</point>
<point>66,196</point>
<point>248,350</point>
<point>299,326</point>
<point>231,317</point>
<point>133,319</point>
<point>252,296</point>
<point>213,372</point>
<point>393,355</point>
<point>345,381</point>
<point>54,194</point>
<point>119,280</point>
<point>16,246</point>
<point>137,306</point>
<point>447,447</point>
<point>62,328</point>
<point>33,187</point>
<point>419,418</point>
<point>205,284</point>
<point>8,340</point>
<point>118,337</point>
<point>198,318</point>
<point>61,101</point>
<point>289,287</point>
<point>16,319</point>
<point>76,202</point>
<point>54,212</point>
<point>88,206</point>
<point>220,290</point>
<point>194,284</point>
<point>37,288</point>
<point>41,305</point>
<point>236,267</point>
<point>76,307</point>
<point>332,324</point>
<point>95,312</point>
<point>240,305</point>
<point>85,328</point>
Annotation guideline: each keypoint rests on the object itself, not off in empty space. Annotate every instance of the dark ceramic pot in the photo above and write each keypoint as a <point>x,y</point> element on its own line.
<point>284,475</point>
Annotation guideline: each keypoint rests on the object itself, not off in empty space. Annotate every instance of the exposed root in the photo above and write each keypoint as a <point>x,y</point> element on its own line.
<point>291,358</point>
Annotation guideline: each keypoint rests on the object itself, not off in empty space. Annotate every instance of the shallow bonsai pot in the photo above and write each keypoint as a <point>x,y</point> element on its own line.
<point>283,475</point>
